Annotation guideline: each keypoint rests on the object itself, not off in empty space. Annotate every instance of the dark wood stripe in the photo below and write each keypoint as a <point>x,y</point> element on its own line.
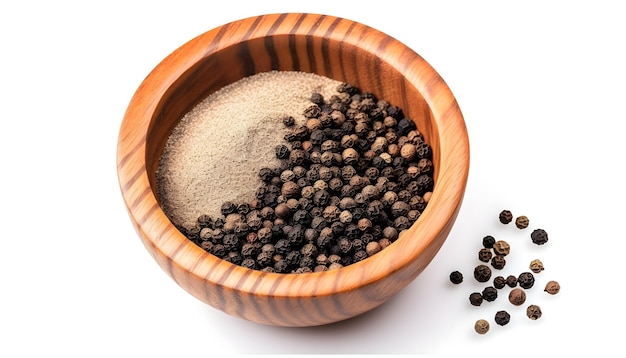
<point>310,46</point>
<point>219,286</point>
<point>276,315</point>
<point>328,69</point>
<point>148,214</point>
<point>292,43</point>
<point>126,186</point>
<point>139,199</point>
<point>269,43</point>
<point>336,300</point>
<point>254,301</point>
<point>243,50</point>
<point>132,151</point>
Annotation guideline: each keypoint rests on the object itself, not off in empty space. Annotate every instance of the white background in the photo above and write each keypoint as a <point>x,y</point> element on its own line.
<point>541,86</point>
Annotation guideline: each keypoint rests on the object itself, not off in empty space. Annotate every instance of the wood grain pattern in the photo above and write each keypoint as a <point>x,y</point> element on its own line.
<point>334,47</point>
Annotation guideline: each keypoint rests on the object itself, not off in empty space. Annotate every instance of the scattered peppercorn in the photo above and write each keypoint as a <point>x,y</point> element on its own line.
<point>456,277</point>
<point>498,262</point>
<point>502,318</point>
<point>484,255</point>
<point>522,222</point>
<point>501,247</point>
<point>505,217</point>
<point>517,296</point>
<point>511,281</point>
<point>482,273</point>
<point>490,294</point>
<point>536,266</point>
<point>499,282</point>
<point>489,241</point>
<point>476,298</point>
<point>539,236</point>
<point>481,326</point>
<point>533,312</point>
<point>552,287</point>
<point>526,280</point>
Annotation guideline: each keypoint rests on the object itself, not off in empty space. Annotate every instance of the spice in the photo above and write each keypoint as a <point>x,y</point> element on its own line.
<point>502,318</point>
<point>481,326</point>
<point>484,255</point>
<point>476,298</point>
<point>552,287</point>
<point>511,281</point>
<point>455,277</point>
<point>490,294</point>
<point>526,280</point>
<point>533,312</point>
<point>482,273</point>
<point>536,266</point>
<point>499,282</point>
<point>505,217</point>
<point>489,241</point>
<point>539,236</point>
<point>517,296</point>
<point>501,247</point>
<point>522,222</point>
<point>498,262</point>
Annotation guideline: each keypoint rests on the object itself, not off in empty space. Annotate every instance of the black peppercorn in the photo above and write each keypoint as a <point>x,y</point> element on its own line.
<point>499,282</point>
<point>490,294</point>
<point>502,318</point>
<point>484,255</point>
<point>498,262</point>
<point>482,273</point>
<point>539,236</point>
<point>489,241</point>
<point>526,280</point>
<point>456,277</point>
<point>511,281</point>
<point>505,216</point>
<point>476,299</point>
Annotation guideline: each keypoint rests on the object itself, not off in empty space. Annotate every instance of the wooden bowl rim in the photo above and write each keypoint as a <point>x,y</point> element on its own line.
<point>158,232</point>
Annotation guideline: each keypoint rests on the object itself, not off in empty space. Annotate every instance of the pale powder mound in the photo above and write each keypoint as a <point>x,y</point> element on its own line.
<point>216,151</point>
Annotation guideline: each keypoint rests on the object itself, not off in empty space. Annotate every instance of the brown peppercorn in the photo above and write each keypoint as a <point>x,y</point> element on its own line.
<point>536,266</point>
<point>407,151</point>
<point>372,248</point>
<point>552,287</point>
<point>502,318</point>
<point>482,273</point>
<point>282,210</point>
<point>539,236</point>
<point>521,222</point>
<point>498,262</point>
<point>505,217</point>
<point>484,255</point>
<point>501,247</point>
<point>533,312</point>
<point>364,224</point>
<point>481,326</point>
<point>517,296</point>
<point>476,299</point>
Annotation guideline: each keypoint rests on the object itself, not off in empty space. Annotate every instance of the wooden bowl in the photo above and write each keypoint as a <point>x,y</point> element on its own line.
<point>338,48</point>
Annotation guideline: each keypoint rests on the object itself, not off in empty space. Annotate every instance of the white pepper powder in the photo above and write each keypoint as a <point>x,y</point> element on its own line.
<point>216,151</point>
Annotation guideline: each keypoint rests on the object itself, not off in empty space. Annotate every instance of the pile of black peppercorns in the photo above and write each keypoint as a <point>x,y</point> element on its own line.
<point>494,252</point>
<point>351,180</point>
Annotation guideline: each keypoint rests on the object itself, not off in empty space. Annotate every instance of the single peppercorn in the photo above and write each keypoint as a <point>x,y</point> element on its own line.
<point>522,222</point>
<point>481,326</point>
<point>482,273</point>
<point>502,318</point>
<point>552,287</point>
<point>505,217</point>
<point>526,280</point>
<point>533,312</point>
<point>517,296</point>
<point>501,247</point>
<point>539,236</point>
<point>456,277</point>
<point>499,282</point>
<point>536,266</point>
<point>489,241</point>
<point>484,255</point>
<point>490,293</point>
<point>476,298</point>
<point>498,262</point>
<point>511,281</point>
